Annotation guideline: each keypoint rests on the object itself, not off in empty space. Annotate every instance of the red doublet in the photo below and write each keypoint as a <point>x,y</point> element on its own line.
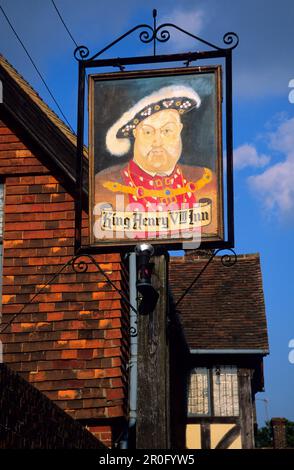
<point>134,177</point>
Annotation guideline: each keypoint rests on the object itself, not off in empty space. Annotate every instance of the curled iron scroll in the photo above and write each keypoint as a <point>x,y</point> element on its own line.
<point>229,259</point>
<point>164,35</point>
<point>147,36</point>
<point>133,330</point>
<point>79,266</point>
<point>160,34</point>
<point>231,39</point>
<point>81,53</point>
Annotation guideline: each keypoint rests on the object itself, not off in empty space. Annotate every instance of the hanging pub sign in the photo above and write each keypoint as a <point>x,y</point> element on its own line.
<point>156,156</point>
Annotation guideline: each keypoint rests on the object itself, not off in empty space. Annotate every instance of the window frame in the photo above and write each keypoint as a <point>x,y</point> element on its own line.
<point>210,391</point>
<point>200,415</point>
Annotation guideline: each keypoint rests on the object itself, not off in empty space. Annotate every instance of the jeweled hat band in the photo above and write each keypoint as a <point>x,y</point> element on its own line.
<point>181,104</point>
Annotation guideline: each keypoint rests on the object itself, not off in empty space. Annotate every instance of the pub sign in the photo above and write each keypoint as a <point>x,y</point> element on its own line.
<point>155,140</point>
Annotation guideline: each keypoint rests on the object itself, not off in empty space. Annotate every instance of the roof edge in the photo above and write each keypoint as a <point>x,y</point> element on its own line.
<point>194,257</point>
<point>229,351</point>
<point>34,95</point>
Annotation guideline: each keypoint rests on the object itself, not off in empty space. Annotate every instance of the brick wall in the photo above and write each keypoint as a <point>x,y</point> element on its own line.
<point>68,341</point>
<point>28,420</point>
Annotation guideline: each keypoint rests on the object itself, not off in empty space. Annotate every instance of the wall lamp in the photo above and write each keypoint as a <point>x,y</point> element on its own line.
<point>150,296</point>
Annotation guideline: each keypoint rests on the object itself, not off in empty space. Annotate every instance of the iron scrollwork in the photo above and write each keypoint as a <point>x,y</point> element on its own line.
<point>79,266</point>
<point>227,260</point>
<point>81,53</point>
<point>145,36</point>
<point>156,34</point>
<point>134,330</point>
<point>231,39</point>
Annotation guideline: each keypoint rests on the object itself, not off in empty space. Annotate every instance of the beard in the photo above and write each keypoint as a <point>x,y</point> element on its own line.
<point>158,157</point>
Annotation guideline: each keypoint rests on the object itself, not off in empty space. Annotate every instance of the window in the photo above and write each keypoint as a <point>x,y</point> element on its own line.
<point>213,392</point>
<point>198,398</point>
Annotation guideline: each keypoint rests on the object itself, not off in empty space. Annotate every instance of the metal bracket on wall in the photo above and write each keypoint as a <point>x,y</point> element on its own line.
<point>227,260</point>
<point>79,266</point>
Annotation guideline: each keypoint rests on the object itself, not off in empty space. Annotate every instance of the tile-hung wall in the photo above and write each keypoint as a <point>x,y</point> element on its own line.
<point>1,236</point>
<point>1,255</point>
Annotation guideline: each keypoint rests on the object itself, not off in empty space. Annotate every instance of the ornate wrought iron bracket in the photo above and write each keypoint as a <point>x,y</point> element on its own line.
<point>79,267</point>
<point>156,34</point>
<point>227,260</point>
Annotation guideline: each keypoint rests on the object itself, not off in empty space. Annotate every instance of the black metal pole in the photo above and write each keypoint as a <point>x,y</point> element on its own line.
<point>79,161</point>
<point>229,138</point>
<point>191,56</point>
<point>154,31</point>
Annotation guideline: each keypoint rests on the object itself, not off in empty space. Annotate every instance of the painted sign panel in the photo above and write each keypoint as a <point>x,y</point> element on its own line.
<point>156,156</point>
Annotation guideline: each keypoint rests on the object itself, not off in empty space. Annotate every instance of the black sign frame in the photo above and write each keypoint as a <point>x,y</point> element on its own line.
<point>155,35</point>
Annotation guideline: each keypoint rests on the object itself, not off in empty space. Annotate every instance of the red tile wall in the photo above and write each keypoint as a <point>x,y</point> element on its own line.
<point>68,341</point>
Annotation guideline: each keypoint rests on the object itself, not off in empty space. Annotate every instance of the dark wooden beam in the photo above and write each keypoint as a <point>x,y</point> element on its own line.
<point>205,436</point>
<point>152,431</point>
<point>246,408</point>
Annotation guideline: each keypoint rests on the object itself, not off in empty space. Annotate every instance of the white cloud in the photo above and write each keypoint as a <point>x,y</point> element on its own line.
<point>283,139</point>
<point>189,20</point>
<point>247,155</point>
<point>275,186</point>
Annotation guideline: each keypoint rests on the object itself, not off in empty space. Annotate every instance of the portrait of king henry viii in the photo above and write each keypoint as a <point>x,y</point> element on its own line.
<point>154,178</point>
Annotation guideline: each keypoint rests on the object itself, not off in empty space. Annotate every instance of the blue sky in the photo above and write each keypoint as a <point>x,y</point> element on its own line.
<point>263,121</point>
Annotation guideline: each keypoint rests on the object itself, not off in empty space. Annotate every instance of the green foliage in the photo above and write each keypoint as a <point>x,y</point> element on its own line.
<point>263,436</point>
<point>290,433</point>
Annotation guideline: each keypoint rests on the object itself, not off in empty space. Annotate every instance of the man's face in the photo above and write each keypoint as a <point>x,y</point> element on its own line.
<point>158,143</point>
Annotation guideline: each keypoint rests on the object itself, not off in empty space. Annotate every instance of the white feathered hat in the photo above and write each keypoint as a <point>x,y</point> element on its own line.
<point>179,97</point>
